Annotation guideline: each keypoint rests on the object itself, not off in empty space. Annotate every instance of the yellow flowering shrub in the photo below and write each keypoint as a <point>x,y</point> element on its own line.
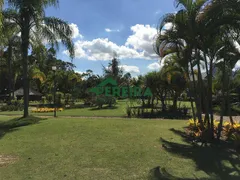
<point>194,128</point>
<point>229,131</point>
<point>45,110</point>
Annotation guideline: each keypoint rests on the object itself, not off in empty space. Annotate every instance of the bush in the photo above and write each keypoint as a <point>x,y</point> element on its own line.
<point>199,134</point>
<point>89,101</point>
<point>102,100</point>
<point>59,97</point>
<point>230,132</point>
<point>12,108</point>
<point>68,98</point>
<point>129,111</point>
<point>236,139</point>
<point>49,98</point>
<point>46,110</point>
<point>44,100</point>
<point>13,105</point>
<point>110,100</point>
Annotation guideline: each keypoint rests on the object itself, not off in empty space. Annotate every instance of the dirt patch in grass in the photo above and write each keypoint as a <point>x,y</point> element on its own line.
<point>7,159</point>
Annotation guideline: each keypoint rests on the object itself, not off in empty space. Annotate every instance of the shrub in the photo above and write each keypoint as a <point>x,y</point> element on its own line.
<point>59,97</point>
<point>236,139</point>
<point>12,108</point>
<point>45,110</point>
<point>110,100</point>
<point>229,129</point>
<point>129,111</point>
<point>230,132</point>
<point>100,101</point>
<point>89,101</point>
<point>68,98</point>
<point>49,98</point>
<point>44,100</point>
<point>195,130</point>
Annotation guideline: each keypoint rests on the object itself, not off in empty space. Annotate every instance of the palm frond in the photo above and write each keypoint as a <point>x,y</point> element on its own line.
<point>54,30</point>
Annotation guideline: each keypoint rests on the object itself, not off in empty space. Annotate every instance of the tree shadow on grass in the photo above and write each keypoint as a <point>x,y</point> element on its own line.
<point>13,124</point>
<point>218,161</point>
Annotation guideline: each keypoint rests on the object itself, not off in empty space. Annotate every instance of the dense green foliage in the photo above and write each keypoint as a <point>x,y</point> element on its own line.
<point>203,37</point>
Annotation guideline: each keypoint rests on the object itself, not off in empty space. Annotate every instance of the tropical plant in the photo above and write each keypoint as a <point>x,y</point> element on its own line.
<point>31,19</point>
<point>197,33</point>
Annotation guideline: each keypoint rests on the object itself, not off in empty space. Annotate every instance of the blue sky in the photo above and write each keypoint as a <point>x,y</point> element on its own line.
<point>104,27</point>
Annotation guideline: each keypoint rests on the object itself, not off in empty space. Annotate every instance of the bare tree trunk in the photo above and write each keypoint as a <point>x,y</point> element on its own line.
<point>228,97</point>
<point>200,90</point>
<point>9,71</point>
<point>229,107</point>
<point>223,102</point>
<point>25,44</point>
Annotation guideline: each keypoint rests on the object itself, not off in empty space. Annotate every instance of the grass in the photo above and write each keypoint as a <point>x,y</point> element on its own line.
<point>118,111</point>
<point>86,149</point>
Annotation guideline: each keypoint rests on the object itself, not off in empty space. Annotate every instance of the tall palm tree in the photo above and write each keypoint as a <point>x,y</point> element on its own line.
<point>195,31</point>
<point>31,19</point>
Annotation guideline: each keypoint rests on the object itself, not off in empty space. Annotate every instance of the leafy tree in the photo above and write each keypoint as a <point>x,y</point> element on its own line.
<point>159,87</point>
<point>197,31</point>
<point>31,19</point>
<point>113,70</point>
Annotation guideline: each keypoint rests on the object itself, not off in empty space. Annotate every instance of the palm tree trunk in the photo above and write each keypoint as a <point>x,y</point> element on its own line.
<point>228,97</point>
<point>209,95</point>
<point>210,98</point>
<point>9,71</point>
<point>194,90</point>
<point>200,89</point>
<point>229,107</point>
<point>24,47</point>
<point>191,99</point>
<point>223,101</point>
<point>193,110</point>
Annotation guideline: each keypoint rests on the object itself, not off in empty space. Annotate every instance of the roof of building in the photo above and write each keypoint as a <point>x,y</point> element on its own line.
<point>32,92</point>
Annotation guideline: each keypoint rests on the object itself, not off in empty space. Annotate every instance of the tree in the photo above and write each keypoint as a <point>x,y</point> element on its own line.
<point>195,33</point>
<point>11,40</point>
<point>176,77</point>
<point>30,17</point>
<point>113,70</point>
<point>159,87</point>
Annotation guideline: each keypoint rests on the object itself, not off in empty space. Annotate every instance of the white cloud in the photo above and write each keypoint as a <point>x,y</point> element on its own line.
<point>168,26</point>
<point>158,12</point>
<point>102,49</point>
<point>237,46</point>
<point>138,45</point>
<point>76,32</point>
<point>154,66</point>
<point>130,69</point>
<point>112,30</point>
<point>79,72</point>
<point>142,40</point>
<point>237,66</point>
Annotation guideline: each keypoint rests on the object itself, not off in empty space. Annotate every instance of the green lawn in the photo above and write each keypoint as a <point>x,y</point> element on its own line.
<point>118,111</point>
<point>101,149</point>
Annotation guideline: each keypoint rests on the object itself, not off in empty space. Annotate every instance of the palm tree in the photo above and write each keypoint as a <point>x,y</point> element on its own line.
<point>31,19</point>
<point>176,77</point>
<point>195,31</point>
<point>12,40</point>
